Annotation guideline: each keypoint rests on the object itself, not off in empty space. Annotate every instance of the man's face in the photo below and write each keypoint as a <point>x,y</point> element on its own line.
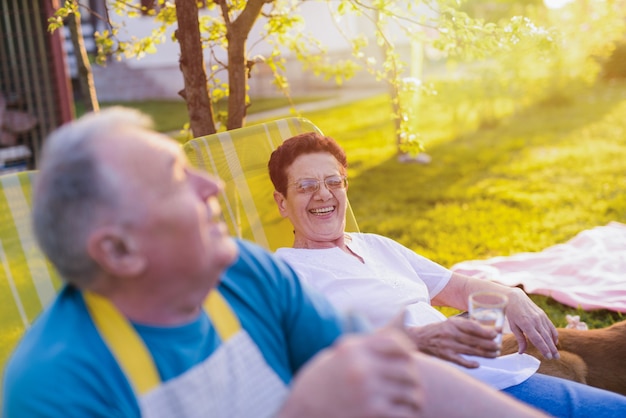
<point>318,218</point>
<point>174,213</point>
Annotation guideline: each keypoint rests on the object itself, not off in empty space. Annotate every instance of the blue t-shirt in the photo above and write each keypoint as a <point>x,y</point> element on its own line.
<point>62,367</point>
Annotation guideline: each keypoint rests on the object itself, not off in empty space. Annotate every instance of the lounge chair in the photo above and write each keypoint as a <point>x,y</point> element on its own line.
<point>27,281</point>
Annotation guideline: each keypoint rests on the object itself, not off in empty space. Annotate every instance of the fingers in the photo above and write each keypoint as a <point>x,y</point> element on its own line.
<point>472,347</point>
<point>550,336</point>
<point>399,392</point>
<point>388,353</point>
<point>449,339</point>
<point>527,320</point>
<point>473,339</point>
<point>370,375</point>
<point>521,339</point>
<point>555,335</point>
<point>461,361</point>
<point>455,352</point>
<point>542,338</point>
<point>400,401</point>
<point>391,342</point>
<point>473,328</point>
<point>392,379</point>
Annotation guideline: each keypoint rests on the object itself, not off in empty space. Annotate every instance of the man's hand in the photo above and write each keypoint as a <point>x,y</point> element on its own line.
<point>528,320</point>
<point>455,336</point>
<point>360,376</point>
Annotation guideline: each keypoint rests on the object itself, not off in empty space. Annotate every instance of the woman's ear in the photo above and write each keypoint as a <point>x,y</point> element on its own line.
<point>281,202</point>
<point>113,250</point>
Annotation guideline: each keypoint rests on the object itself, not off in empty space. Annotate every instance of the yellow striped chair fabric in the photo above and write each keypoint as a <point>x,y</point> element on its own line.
<point>27,281</point>
<point>239,157</point>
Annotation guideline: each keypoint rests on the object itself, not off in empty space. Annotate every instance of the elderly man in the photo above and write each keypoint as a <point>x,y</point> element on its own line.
<point>163,314</point>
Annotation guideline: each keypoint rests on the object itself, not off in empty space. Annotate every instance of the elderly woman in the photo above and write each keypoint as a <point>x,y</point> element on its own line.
<point>374,275</point>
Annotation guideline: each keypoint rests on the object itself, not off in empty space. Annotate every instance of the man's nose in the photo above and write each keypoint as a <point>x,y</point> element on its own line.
<point>207,185</point>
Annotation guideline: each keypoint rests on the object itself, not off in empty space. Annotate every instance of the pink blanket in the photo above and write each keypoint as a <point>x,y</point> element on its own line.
<point>588,271</point>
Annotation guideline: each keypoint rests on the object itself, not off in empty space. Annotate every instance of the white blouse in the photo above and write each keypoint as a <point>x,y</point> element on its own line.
<point>391,277</point>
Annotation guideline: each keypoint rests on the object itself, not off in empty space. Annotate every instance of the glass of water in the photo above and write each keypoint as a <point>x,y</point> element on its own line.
<point>488,308</point>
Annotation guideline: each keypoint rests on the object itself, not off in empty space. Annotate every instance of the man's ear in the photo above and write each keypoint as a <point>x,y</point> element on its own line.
<point>114,251</point>
<point>281,202</point>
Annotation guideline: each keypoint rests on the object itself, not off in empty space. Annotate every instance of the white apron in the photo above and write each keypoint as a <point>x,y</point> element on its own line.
<point>235,381</point>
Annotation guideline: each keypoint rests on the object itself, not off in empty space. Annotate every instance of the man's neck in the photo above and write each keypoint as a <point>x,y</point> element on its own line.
<point>151,307</point>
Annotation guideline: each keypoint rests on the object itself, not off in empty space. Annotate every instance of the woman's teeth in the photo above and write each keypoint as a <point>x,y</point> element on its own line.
<point>322,211</point>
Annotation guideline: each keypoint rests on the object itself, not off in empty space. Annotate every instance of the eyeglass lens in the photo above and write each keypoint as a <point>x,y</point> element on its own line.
<point>313,185</point>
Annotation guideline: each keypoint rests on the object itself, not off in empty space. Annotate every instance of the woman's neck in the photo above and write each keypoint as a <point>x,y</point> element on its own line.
<point>303,242</point>
<point>343,243</point>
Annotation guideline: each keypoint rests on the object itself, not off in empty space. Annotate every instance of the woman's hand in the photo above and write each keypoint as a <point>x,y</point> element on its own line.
<point>527,320</point>
<point>455,336</point>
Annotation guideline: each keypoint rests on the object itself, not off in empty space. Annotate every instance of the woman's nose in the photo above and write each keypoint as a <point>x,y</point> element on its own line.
<point>324,192</point>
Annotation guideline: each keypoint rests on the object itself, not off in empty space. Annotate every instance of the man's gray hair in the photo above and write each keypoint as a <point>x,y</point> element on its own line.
<point>73,188</point>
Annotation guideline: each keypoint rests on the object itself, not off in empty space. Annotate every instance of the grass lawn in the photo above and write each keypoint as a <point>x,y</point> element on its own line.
<point>533,181</point>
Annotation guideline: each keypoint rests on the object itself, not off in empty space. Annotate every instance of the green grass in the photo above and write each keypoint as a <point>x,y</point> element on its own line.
<point>533,181</point>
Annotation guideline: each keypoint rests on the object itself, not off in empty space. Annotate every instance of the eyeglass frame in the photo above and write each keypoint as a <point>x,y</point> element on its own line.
<point>343,185</point>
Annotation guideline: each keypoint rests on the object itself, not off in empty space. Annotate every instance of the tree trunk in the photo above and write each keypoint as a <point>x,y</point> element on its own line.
<point>237,81</point>
<point>237,34</point>
<point>196,91</point>
<point>85,75</point>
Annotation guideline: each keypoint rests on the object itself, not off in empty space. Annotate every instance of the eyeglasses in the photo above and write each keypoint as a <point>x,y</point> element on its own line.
<point>308,186</point>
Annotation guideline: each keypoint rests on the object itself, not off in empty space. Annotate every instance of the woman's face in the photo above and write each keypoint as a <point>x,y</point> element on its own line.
<point>318,218</point>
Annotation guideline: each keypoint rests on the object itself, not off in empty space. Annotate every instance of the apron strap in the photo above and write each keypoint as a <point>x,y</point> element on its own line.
<point>128,348</point>
<point>222,316</point>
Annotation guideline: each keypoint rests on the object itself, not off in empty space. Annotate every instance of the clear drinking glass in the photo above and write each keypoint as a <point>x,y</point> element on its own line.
<point>489,309</point>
